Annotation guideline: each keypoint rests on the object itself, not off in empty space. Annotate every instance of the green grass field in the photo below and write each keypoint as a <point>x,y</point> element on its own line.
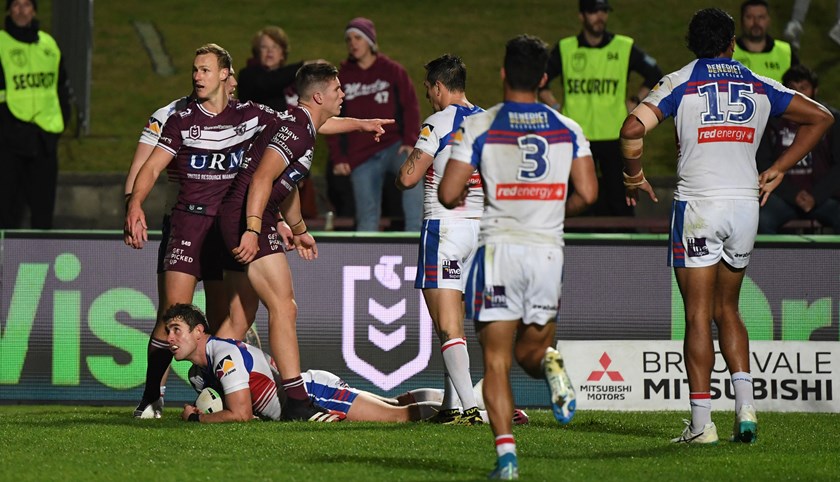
<point>95,443</point>
<point>125,90</point>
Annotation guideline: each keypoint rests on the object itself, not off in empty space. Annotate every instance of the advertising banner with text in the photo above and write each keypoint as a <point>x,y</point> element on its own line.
<point>75,314</point>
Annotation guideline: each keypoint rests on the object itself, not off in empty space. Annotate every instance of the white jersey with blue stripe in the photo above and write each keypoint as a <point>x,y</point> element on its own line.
<point>238,366</point>
<point>435,139</point>
<point>524,152</point>
<point>720,109</point>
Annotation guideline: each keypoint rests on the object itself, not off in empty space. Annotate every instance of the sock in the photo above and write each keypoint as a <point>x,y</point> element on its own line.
<point>457,361</point>
<point>505,445</point>
<point>162,390</point>
<point>158,358</point>
<point>295,388</point>
<point>701,410</point>
<point>742,383</point>
<point>450,395</point>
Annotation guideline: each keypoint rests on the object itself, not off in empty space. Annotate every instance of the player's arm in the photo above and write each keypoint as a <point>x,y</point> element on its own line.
<point>644,118</point>
<point>136,229</point>
<point>413,169</point>
<point>303,240</point>
<point>141,154</point>
<point>342,125</point>
<point>238,408</point>
<point>585,180</point>
<point>454,187</point>
<point>271,166</point>
<point>814,120</point>
<point>553,70</point>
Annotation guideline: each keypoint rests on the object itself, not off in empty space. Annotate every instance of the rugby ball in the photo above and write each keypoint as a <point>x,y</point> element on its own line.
<point>209,401</point>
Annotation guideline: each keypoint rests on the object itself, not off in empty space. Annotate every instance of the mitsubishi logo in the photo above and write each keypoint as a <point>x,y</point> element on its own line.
<point>597,375</point>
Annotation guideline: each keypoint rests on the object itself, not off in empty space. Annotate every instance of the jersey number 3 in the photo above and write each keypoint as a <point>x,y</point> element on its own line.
<point>741,104</point>
<point>534,163</point>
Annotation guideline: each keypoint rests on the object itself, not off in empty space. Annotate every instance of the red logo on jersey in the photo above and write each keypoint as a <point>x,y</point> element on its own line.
<point>725,134</point>
<point>531,192</point>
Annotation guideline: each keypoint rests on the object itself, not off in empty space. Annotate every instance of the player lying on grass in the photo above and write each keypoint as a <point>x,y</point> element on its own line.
<point>232,366</point>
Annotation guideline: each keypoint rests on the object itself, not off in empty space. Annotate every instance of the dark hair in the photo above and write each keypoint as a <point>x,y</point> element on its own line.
<point>798,73</point>
<point>710,33</point>
<point>754,3</point>
<point>310,76</point>
<point>526,58</point>
<point>449,70</point>
<point>225,61</point>
<point>189,314</point>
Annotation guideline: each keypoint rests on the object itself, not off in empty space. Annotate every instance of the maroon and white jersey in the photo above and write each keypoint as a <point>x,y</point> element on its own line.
<point>209,149</point>
<point>292,135</point>
<point>239,366</point>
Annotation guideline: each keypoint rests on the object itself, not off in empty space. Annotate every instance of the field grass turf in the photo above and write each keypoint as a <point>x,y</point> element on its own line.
<point>106,443</point>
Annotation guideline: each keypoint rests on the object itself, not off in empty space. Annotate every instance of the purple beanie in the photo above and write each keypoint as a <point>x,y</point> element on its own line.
<point>363,26</point>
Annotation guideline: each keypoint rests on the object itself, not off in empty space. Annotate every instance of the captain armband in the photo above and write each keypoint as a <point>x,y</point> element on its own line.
<point>646,116</point>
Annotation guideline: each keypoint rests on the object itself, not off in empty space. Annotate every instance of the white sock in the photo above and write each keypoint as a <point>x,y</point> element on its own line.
<point>742,383</point>
<point>457,361</point>
<point>505,445</point>
<point>701,410</point>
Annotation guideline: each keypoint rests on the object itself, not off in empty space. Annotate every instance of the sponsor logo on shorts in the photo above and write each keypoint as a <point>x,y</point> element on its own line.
<point>495,297</point>
<point>451,269</point>
<point>531,192</point>
<point>274,241</point>
<point>697,247</point>
<point>725,134</point>
<point>742,255</point>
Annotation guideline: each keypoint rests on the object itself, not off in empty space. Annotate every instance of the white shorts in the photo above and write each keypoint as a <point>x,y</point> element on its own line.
<point>515,281</point>
<point>704,231</point>
<point>447,248</point>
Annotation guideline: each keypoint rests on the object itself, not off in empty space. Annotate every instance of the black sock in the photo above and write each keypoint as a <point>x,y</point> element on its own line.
<point>158,358</point>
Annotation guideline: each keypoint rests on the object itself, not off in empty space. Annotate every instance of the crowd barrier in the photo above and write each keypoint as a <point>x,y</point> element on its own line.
<point>77,308</point>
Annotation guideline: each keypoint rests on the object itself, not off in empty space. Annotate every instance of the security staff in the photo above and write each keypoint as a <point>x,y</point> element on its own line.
<point>758,51</point>
<point>34,103</point>
<point>594,67</point>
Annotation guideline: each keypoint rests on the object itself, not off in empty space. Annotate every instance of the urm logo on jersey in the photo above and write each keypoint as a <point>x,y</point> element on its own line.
<point>218,161</point>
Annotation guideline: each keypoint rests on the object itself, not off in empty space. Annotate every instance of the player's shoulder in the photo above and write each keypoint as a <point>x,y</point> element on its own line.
<point>483,120</point>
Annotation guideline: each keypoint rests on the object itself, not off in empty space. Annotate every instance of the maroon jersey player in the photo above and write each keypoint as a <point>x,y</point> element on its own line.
<point>207,142</point>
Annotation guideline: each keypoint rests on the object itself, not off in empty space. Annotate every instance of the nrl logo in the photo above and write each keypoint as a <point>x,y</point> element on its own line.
<point>195,132</point>
<point>365,338</point>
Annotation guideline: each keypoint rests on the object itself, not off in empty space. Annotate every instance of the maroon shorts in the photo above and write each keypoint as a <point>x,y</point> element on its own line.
<point>232,224</point>
<point>194,246</point>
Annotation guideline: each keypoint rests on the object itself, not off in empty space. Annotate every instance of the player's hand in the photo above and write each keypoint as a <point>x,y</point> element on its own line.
<point>768,181</point>
<point>135,231</point>
<point>375,126</point>
<point>248,247</point>
<point>189,410</point>
<point>306,247</point>
<point>805,201</point>
<point>631,193</point>
<point>285,232</point>
<point>341,169</point>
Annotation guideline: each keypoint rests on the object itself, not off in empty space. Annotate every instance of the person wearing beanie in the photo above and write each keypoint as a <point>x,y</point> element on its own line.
<point>376,86</point>
<point>34,106</point>
<point>594,69</point>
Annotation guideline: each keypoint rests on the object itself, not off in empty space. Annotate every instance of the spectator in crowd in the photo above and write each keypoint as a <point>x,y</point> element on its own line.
<point>33,113</point>
<point>809,189</point>
<point>795,28</point>
<point>376,86</point>
<point>600,107</point>
<point>268,80</point>
<point>756,49</point>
